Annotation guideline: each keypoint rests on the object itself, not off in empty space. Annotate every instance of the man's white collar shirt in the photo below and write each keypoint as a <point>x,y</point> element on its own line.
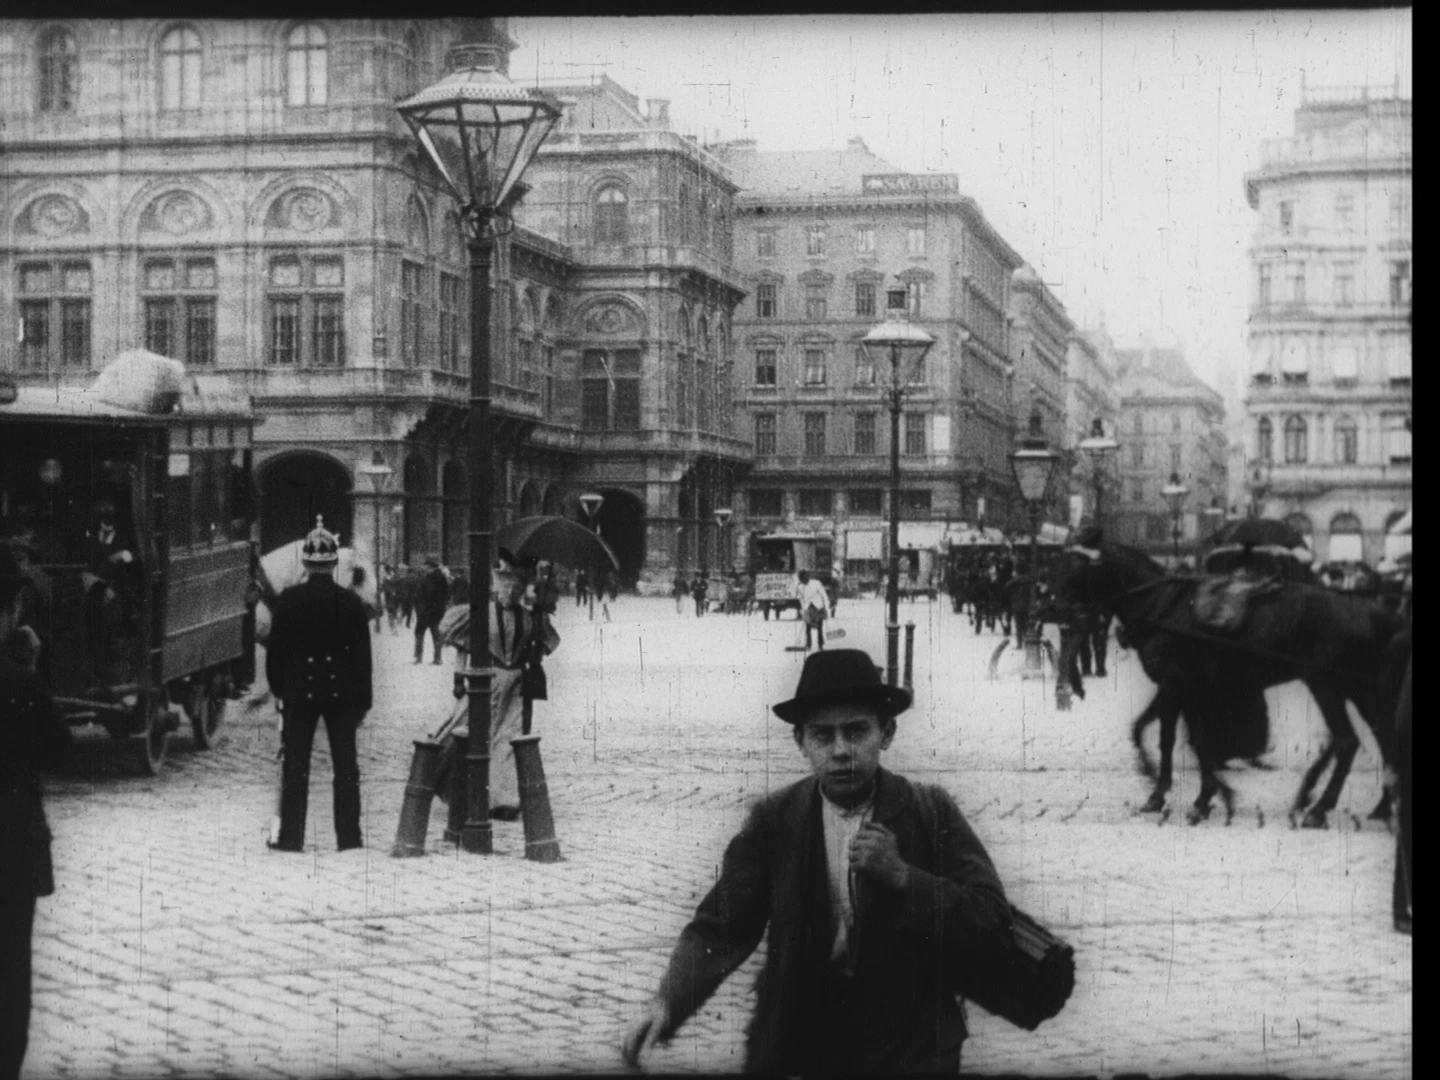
<point>841,827</point>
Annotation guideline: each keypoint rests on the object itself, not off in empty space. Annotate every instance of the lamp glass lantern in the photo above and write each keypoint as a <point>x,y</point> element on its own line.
<point>479,129</point>
<point>1033,463</point>
<point>591,502</point>
<point>1174,492</point>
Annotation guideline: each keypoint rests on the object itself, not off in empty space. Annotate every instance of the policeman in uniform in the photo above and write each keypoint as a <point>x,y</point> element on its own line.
<point>318,664</point>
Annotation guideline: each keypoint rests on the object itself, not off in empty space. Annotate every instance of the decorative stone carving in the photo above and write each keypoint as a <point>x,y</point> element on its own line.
<point>179,213</point>
<point>57,215</point>
<point>607,319</point>
<point>308,210</point>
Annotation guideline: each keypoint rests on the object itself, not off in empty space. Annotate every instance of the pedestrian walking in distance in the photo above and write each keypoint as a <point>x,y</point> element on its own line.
<point>877,894</point>
<point>680,589</point>
<point>431,596</point>
<point>35,738</point>
<point>318,665</point>
<point>698,590</point>
<point>814,605</point>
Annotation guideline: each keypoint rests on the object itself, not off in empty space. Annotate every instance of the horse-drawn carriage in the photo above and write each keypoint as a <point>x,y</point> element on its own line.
<point>133,501</point>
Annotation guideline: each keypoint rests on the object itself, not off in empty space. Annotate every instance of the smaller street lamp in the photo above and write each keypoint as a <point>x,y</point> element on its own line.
<point>905,346</point>
<point>378,473</point>
<point>722,552</point>
<point>591,502</point>
<point>1175,494</point>
<point>1033,463</point>
<point>1097,448</point>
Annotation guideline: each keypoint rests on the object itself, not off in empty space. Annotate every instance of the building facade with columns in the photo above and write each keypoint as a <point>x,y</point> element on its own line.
<point>242,195</point>
<point>820,236</point>
<point>1041,333</point>
<point>1328,400</point>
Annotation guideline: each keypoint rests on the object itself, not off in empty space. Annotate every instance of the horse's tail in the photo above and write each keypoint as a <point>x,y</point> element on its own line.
<point>1147,716</point>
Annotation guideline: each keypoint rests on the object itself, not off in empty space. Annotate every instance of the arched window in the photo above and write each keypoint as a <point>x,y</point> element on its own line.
<point>1265,439</point>
<point>306,69</point>
<point>1297,440</point>
<point>1347,441</point>
<point>612,225</point>
<point>180,69</point>
<point>57,71</point>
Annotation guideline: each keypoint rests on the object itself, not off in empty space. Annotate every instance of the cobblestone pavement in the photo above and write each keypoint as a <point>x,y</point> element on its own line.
<point>177,945</point>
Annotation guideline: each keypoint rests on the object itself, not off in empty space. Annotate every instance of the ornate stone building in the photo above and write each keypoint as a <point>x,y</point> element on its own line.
<point>1090,395</point>
<point>1041,333</point>
<point>243,196</point>
<point>1329,395</point>
<point>820,236</point>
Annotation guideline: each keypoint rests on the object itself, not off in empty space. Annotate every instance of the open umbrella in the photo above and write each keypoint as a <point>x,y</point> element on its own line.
<point>558,540</point>
<point>1258,532</point>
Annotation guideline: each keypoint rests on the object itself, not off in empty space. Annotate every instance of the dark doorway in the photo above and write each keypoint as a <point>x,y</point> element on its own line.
<point>298,488</point>
<point>622,525</point>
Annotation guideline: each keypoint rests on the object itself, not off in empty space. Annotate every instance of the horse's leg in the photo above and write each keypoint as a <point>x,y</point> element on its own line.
<point>1162,707</point>
<point>1311,777</point>
<point>1345,744</point>
<point>1209,785</point>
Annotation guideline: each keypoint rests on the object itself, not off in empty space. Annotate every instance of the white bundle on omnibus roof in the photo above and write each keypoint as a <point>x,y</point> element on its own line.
<point>141,380</point>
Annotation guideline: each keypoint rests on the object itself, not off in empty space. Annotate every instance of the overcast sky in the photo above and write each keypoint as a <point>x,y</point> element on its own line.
<point>1109,150</point>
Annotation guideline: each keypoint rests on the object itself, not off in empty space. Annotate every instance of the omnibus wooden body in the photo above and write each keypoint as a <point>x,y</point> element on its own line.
<point>183,640</point>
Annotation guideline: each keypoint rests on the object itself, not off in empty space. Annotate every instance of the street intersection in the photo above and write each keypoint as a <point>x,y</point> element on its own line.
<point>178,945</point>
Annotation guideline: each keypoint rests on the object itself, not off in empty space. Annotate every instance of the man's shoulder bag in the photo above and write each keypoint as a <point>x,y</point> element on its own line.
<point>1029,978</point>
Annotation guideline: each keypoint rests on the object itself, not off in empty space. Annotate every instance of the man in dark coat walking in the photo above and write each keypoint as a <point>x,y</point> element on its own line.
<point>318,665</point>
<point>431,596</point>
<point>35,738</point>
<point>878,897</point>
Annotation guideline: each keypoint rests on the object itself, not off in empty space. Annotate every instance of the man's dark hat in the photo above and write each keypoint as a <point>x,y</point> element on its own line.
<point>519,562</point>
<point>832,676</point>
<point>1089,537</point>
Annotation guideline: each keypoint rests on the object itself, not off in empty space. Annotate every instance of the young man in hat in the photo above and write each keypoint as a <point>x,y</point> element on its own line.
<point>318,664</point>
<point>877,895</point>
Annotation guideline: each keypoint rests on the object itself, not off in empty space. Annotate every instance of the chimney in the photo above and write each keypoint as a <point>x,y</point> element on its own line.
<point>857,143</point>
<point>658,112</point>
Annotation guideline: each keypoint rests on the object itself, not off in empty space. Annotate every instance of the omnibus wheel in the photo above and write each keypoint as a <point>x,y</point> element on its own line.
<point>205,706</point>
<point>154,742</point>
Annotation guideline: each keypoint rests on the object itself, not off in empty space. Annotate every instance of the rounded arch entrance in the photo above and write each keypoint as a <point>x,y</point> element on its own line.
<point>297,488</point>
<point>455,493</point>
<point>421,530</point>
<point>622,525</point>
<point>530,502</point>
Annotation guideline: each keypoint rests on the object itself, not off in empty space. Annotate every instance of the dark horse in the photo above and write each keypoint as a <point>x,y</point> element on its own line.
<point>1333,642</point>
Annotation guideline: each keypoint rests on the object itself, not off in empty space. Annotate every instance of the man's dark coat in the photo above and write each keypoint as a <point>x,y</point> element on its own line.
<point>319,648</point>
<point>910,946</point>
<point>36,738</point>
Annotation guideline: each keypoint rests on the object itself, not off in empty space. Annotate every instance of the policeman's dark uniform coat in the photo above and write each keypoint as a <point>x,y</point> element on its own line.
<point>430,597</point>
<point>35,737</point>
<point>318,664</point>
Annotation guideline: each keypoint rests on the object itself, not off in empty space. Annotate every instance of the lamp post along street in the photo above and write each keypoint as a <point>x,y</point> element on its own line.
<point>378,473</point>
<point>1097,448</point>
<point>905,347</point>
<point>591,502</point>
<point>1174,493</point>
<point>722,550</point>
<point>1033,463</point>
<point>480,131</point>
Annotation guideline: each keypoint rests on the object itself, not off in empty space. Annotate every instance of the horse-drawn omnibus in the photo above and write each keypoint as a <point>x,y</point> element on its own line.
<point>133,500</point>
<point>776,560</point>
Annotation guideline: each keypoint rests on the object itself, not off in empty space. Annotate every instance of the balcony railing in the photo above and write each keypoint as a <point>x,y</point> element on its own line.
<point>1372,147</point>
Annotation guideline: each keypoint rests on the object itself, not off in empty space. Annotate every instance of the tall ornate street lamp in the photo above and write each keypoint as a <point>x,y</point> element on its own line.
<point>905,346</point>
<point>1033,463</point>
<point>1098,449</point>
<point>1175,493</point>
<point>480,131</point>
<point>378,473</point>
<point>722,550</point>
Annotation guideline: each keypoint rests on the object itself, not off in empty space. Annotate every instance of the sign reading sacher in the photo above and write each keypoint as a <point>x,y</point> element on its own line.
<point>905,183</point>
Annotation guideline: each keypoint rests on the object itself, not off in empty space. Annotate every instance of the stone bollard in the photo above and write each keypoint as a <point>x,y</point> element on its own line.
<point>910,655</point>
<point>459,788</point>
<point>419,794</point>
<point>540,842</point>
